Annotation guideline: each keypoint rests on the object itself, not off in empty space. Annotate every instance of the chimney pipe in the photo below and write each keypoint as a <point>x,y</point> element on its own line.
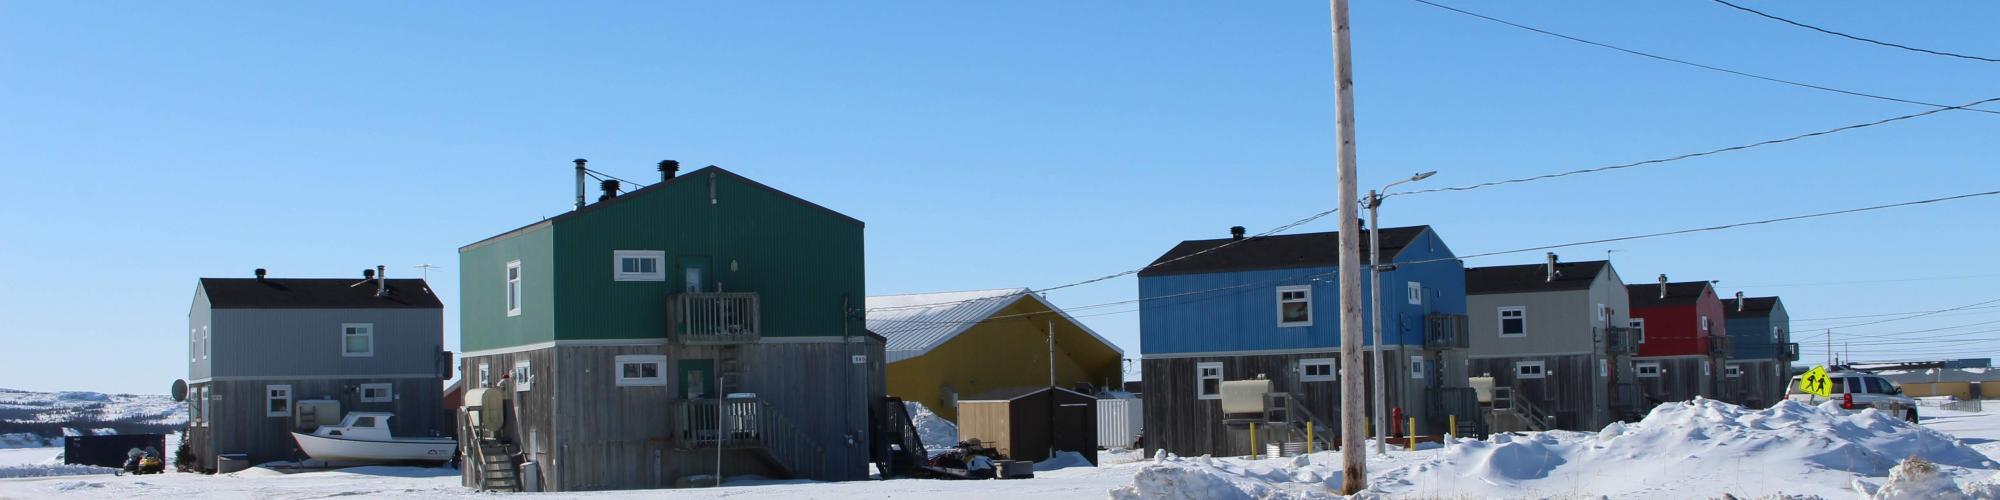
<point>610,189</point>
<point>368,274</point>
<point>668,168</point>
<point>1663,286</point>
<point>579,182</point>
<point>1550,270</point>
<point>1235,232</point>
<point>260,274</point>
<point>381,281</point>
<point>1739,301</point>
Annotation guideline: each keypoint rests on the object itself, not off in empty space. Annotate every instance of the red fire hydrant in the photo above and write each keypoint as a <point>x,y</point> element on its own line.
<point>1396,422</point>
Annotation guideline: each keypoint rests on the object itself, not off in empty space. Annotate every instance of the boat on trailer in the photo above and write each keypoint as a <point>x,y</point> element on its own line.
<point>365,437</point>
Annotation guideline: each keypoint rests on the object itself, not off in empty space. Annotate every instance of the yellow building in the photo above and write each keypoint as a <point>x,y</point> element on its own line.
<point>951,344</point>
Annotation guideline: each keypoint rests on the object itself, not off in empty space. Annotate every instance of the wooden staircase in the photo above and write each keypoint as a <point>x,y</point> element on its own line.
<point>495,464</point>
<point>1510,406</point>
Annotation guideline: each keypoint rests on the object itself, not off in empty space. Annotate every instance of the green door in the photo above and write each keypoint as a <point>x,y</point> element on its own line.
<point>697,378</point>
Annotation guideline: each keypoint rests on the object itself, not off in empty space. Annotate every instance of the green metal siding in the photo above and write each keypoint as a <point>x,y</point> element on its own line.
<point>482,279</point>
<point>800,259</point>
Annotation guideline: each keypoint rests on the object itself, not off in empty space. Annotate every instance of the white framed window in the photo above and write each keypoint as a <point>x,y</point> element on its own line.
<point>1318,370</point>
<point>1208,380</point>
<point>1530,369</point>
<point>1416,367</point>
<point>277,401</point>
<point>514,288</point>
<point>207,344</point>
<point>1513,321</point>
<point>1705,370</point>
<point>524,376</point>
<point>1732,371</point>
<point>641,370</point>
<point>357,340</point>
<point>1704,323</point>
<point>205,398</point>
<point>1603,368</point>
<point>1601,311</point>
<point>1295,305</point>
<point>378,393</point>
<point>485,375</point>
<point>1639,325</point>
<point>196,407</point>
<point>1416,293</point>
<point>638,265</point>
<point>1646,369</point>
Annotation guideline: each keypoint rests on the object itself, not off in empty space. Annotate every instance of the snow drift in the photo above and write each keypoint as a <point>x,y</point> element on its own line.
<point>1788,448</point>
<point>937,433</point>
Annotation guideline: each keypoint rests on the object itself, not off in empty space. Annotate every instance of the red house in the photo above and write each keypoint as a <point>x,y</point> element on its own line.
<point>1682,341</point>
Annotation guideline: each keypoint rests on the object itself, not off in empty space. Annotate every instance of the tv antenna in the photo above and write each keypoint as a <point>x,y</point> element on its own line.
<point>427,270</point>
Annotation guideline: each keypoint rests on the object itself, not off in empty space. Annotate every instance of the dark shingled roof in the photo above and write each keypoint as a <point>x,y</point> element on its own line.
<point>1531,277</point>
<point>697,174</point>
<point>1752,306</point>
<point>1273,252</point>
<point>316,293</point>
<point>1678,294</point>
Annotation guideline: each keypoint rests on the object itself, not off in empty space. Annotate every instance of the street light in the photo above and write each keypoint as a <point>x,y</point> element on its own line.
<point>1375,297</point>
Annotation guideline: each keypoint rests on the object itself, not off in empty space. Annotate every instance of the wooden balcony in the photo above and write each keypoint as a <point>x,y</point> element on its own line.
<point>1621,341</point>
<point>713,318</point>
<point>1446,331</point>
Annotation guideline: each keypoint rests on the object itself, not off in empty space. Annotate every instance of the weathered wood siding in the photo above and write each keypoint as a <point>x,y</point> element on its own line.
<point>987,421</point>
<point>1681,379</point>
<point>1573,387</point>
<point>238,423</point>
<point>1181,423</point>
<point>1761,384</point>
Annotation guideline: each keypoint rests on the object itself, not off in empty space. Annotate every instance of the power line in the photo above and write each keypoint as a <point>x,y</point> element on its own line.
<point>1828,283</point>
<point>1687,62</point>
<point>1853,37</point>
<point>1697,154</point>
<point>1914,316</point>
<point>1831,318</point>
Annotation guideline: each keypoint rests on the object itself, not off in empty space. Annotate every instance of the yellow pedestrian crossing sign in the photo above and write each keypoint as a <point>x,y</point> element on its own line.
<point>1816,383</point>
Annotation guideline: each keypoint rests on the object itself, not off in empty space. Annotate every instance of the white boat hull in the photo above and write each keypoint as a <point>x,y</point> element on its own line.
<point>334,449</point>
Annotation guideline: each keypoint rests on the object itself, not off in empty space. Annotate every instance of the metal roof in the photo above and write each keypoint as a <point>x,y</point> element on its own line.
<point>918,322</point>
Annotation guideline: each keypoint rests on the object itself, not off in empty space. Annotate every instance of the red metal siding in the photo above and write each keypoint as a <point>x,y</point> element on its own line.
<point>1676,330</point>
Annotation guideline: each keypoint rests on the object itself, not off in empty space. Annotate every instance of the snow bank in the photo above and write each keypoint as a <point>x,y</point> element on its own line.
<point>45,470</point>
<point>1704,448</point>
<point>937,433</point>
<point>1062,460</point>
<point>1919,479</point>
<point>22,440</point>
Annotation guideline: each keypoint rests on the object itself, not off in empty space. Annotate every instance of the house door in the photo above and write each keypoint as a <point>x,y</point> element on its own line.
<point>697,379</point>
<point>694,273</point>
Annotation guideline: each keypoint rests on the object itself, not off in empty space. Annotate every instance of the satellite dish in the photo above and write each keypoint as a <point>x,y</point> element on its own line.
<point>180,390</point>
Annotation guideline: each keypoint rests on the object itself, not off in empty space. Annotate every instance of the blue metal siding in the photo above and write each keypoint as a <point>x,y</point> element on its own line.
<point>1750,337</point>
<point>1246,318</point>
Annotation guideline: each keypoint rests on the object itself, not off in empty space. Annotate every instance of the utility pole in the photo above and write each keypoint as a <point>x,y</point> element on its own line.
<point>1829,348</point>
<point>1354,461</point>
<point>1375,316</point>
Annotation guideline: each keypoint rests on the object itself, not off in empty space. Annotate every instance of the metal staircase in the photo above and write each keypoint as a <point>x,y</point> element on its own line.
<point>1284,414</point>
<point>905,448</point>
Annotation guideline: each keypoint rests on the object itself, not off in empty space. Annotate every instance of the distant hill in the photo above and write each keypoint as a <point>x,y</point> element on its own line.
<point>29,419</point>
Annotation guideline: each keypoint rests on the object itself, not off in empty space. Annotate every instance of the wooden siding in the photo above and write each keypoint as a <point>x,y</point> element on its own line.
<point>1573,389</point>
<point>1681,380</point>
<point>588,433</point>
<point>1008,352</point>
<point>238,424</point>
<point>1179,422</point>
<point>1761,385</point>
<point>988,422</point>
<point>1028,428</point>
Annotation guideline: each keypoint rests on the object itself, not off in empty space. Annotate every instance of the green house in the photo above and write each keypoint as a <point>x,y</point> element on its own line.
<point>649,338</point>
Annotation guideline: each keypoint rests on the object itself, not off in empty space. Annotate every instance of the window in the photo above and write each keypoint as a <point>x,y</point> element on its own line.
<point>1647,369</point>
<point>1416,293</point>
<point>1514,321</point>
<point>638,265</point>
<point>1208,380</point>
<point>277,400</point>
<point>357,340</point>
<point>378,393</point>
<point>514,288</point>
<point>204,405</point>
<point>1639,325</point>
<point>641,370</point>
<point>207,344</point>
<point>1603,368</point>
<point>524,376</point>
<point>1704,323</point>
<point>485,375</point>
<point>1317,370</point>
<point>1732,371</point>
<point>1530,369</point>
<point>1600,312</point>
<point>1295,305</point>
<point>364,422</point>
<point>1416,367</point>
<point>196,406</point>
<point>1877,385</point>
<point>1704,368</point>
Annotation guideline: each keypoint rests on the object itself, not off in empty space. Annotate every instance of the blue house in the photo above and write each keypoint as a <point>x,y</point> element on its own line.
<point>1268,308</point>
<point>1760,350</point>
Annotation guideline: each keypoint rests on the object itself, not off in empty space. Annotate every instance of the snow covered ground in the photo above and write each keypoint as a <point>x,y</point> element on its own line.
<point>1691,450</point>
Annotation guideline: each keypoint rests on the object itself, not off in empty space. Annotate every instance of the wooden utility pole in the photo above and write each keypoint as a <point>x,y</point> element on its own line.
<point>1354,470</point>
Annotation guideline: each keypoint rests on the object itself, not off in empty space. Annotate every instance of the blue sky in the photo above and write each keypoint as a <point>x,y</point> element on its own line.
<point>146,144</point>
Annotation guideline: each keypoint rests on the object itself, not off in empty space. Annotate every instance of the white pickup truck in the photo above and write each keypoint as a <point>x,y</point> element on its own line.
<point>1866,390</point>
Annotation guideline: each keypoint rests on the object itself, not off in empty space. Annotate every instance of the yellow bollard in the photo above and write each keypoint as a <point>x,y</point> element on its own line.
<point>1411,433</point>
<point>1453,422</point>
<point>1253,440</point>
<point>1309,437</point>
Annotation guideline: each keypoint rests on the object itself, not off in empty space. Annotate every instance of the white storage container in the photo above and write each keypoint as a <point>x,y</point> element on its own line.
<point>1119,422</point>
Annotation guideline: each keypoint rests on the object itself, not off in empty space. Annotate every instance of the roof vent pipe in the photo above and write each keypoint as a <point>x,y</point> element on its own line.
<point>579,182</point>
<point>260,274</point>
<point>1235,232</point>
<point>1739,301</point>
<point>610,189</point>
<point>1550,270</point>
<point>1663,286</point>
<point>668,168</point>
<point>381,281</point>
<point>367,274</point>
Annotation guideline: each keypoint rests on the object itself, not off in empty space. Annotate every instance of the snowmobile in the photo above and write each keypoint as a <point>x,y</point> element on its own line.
<point>147,462</point>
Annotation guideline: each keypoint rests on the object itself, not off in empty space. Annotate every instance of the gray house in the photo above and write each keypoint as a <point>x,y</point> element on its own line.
<point>1554,340</point>
<point>269,356</point>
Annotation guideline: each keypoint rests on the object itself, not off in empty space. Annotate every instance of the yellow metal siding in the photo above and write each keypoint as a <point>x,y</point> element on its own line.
<point>1008,352</point>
